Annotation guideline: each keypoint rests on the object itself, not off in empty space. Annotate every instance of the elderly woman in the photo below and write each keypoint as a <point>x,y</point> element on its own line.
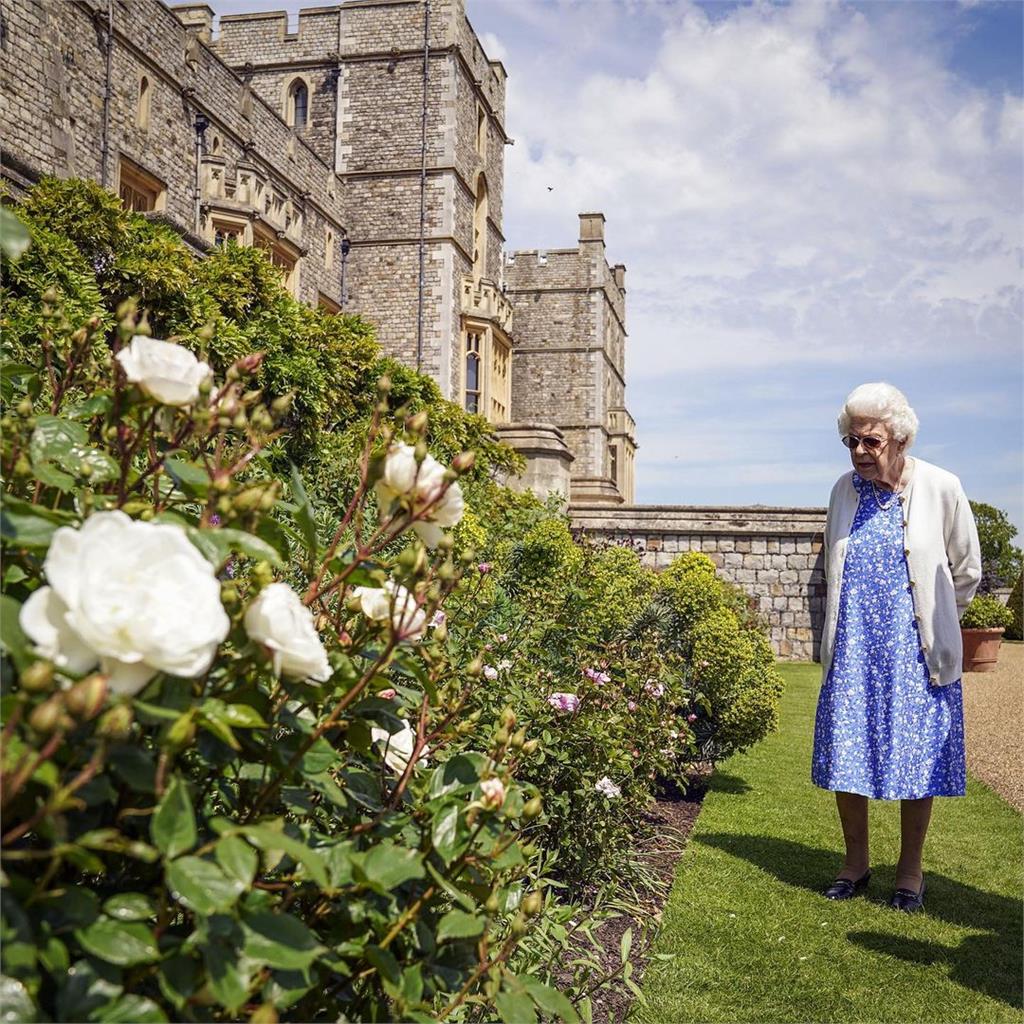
<point>902,562</point>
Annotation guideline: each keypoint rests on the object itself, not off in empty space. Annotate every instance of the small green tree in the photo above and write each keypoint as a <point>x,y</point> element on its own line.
<point>1001,559</point>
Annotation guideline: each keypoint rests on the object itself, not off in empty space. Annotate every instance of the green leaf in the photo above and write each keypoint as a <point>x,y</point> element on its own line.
<point>85,988</point>
<point>174,824</point>
<point>23,526</point>
<point>549,1000</point>
<point>304,516</point>
<point>132,1010</point>
<point>178,977</point>
<point>228,974</point>
<point>218,543</point>
<point>279,940</point>
<point>267,839</point>
<point>387,866</point>
<point>387,967</point>
<point>119,942</point>
<point>515,1007</point>
<point>96,405</point>
<point>65,444</point>
<point>238,860</point>
<point>445,832</point>
<point>12,636</point>
<point>449,887</point>
<point>625,944</point>
<point>14,240</point>
<point>201,885</point>
<point>189,478</point>
<point>459,773</point>
<point>457,924</point>
<point>239,716</point>
<point>129,906</point>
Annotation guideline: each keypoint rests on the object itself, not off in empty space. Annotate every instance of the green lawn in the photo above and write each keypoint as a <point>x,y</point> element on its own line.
<point>754,941</point>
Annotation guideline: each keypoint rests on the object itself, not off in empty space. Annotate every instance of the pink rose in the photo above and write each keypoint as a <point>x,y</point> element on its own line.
<point>484,568</point>
<point>387,694</point>
<point>632,705</point>
<point>653,688</point>
<point>564,701</point>
<point>691,718</point>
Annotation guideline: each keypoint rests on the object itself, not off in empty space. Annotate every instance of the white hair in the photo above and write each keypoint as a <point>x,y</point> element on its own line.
<point>880,401</point>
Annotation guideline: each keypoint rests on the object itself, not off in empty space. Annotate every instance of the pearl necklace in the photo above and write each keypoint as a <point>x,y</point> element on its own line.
<point>878,501</point>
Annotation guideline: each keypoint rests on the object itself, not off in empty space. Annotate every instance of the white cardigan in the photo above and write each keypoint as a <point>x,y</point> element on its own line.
<point>943,560</point>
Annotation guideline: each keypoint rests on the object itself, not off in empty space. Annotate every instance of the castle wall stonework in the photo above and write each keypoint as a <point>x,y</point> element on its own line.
<point>773,554</point>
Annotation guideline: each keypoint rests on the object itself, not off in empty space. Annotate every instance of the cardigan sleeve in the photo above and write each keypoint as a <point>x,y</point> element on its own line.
<point>963,551</point>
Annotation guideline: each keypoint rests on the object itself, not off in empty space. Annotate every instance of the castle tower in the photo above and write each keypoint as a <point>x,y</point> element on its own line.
<point>568,365</point>
<point>401,99</point>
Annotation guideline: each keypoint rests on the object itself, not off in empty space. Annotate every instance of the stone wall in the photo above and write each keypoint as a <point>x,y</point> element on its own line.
<point>774,554</point>
<point>54,80</point>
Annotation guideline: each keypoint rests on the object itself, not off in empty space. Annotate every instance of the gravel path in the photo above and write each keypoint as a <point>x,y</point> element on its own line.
<point>994,724</point>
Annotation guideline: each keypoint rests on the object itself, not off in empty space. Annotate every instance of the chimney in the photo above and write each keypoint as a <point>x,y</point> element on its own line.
<point>592,227</point>
<point>619,273</point>
<point>197,18</point>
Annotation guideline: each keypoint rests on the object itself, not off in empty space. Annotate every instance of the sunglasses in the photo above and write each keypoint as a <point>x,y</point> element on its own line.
<point>871,444</point>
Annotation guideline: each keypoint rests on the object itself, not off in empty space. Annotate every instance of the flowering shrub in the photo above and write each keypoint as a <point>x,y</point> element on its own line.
<point>226,793</point>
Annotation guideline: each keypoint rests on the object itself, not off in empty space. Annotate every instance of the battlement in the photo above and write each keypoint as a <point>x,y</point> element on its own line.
<point>584,267</point>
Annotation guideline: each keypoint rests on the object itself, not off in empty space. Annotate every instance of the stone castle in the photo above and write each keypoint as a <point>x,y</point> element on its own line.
<point>365,153</point>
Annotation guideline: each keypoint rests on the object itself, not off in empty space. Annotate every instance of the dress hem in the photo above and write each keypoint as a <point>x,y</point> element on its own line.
<point>872,796</point>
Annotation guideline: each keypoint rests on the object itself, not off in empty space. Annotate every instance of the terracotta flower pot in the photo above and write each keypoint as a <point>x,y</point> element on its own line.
<point>981,648</point>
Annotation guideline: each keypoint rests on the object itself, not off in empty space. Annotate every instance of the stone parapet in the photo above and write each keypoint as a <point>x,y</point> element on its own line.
<point>773,554</point>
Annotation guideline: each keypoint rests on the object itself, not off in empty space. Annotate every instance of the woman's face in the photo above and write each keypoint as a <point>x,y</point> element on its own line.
<point>881,463</point>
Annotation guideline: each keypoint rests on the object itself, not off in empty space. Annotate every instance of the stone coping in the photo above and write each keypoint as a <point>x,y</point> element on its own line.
<point>697,519</point>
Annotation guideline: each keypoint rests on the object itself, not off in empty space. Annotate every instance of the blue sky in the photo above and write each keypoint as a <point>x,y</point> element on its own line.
<point>807,196</point>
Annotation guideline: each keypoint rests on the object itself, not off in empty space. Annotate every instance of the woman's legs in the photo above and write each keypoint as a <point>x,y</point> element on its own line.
<point>853,813</point>
<point>914,818</point>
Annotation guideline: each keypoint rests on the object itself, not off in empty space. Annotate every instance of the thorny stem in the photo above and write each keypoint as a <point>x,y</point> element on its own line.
<point>10,791</point>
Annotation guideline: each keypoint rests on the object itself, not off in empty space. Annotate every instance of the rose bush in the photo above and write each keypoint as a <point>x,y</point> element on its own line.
<point>226,820</point>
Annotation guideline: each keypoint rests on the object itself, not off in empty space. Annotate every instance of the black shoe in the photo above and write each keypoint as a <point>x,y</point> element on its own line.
<point>908,900</point>
<point>846,888</point>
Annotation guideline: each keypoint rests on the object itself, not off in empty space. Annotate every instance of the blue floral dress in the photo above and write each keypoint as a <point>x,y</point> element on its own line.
<point>882,729</point>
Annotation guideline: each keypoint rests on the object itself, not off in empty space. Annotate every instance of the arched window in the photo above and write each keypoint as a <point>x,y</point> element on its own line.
<point>215,148</point>
<point>480,229</point>
<point>142,112</point>
<point>298,104</point>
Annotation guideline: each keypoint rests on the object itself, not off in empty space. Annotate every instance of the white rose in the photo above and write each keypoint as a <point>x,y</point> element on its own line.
<point>165,371</point>
<point>398,746</point>
<point>493,792</point>
<point>490,672</point>
<point>279,621</point>
<point>608,788</point>
<point>439,501</point>
<point>393,603</point>
<point>138,596</point>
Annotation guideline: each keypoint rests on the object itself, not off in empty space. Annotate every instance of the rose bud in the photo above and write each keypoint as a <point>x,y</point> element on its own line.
<point>530,746</point>
<point>46,717</point>
<point>116,724</point>
<point>38,677</point>
<point>533,808</point>
<point>464,462</point>
<point>533,904</point>
<point>418,423</point>
<point>85,699</point>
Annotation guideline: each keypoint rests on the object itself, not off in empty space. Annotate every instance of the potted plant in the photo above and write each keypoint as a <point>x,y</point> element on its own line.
<point>982,628</point>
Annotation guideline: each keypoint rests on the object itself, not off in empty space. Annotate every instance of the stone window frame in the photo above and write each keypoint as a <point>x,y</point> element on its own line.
<point>493,393</point>
<point>144,103</point>
<point>329,248</point>
<point>326,303</point>
<point>288,101</point>
<point>240,227</point>
<point>281,254</point>
<point>473,350</point>
<point>145,191</point>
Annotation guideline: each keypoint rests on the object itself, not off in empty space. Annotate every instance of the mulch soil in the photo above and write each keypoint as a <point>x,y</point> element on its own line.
<point>670,819</point>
